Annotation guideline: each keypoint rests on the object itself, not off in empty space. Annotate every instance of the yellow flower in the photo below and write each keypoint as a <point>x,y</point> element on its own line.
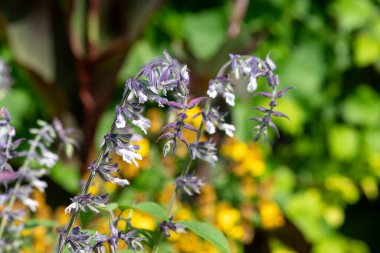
<point>143,221</point>
<point>156,117</point>
<point>271,215</point>
<point>60,216</point>
<point>191,113</point>
<point>226,216</point>
<point>184,213</point>
<point>188,243</point>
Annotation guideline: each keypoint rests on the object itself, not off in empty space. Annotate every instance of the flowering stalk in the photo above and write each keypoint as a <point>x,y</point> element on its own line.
<point>38,152</point>
<point>87,186</point>
<point>152,83</point>
<point>238,68</point>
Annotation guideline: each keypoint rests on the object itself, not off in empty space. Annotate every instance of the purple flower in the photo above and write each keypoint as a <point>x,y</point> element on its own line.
<point>87,201</point>
<point>130,239</point>
<point>205,151</point>
<point>165,226</point>
<point>190,184</point>
<point>77,241</point>
<point>106,172</point>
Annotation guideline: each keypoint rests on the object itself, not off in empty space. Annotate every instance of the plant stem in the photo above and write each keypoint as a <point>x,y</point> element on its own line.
<point>12,200</point>
<point>90,179</point>
<point>176,191</point>
<point>189,162</point>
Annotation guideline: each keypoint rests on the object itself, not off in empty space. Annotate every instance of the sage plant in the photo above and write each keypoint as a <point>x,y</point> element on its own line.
<point>164,81</point>
<point>17,185</point>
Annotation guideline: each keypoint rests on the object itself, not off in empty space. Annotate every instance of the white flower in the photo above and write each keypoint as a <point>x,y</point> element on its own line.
<point>252,85</point>
<point>211,92</point>
<point>142,123</point>
<point>228,128</point>
<point>210,128</point>
<point>119,181</point>
<point>230,98</point>
<point>142,97</point>
<point>32,204</point>
<point>39,184</point>
<point>237,73</point>
<point>73,206</point>
<point>129,156</point>
<point>49,158</point>
<point>185,73</point>
<point>120,121</point>
<point>270,63</point>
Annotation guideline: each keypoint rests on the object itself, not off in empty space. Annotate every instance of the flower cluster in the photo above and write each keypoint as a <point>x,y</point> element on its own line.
<point>165,82</point>
<point>247,70</point>
<point>28,177</point>
<point>82,242</point>
<point>168,225</point>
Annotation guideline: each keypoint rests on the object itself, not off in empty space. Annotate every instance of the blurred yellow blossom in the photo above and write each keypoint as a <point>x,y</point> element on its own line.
<point>227,219</point>
<point>248,158</point>
<point>141,220</point>
<point>270,215</point>
<point>155,115</point>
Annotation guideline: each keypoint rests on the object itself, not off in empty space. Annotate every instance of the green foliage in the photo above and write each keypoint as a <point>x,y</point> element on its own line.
<point>209,233</point>
<point>66,176</point>
<point>151,208</point>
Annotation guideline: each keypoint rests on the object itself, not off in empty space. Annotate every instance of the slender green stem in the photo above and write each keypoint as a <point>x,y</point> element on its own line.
<point>89,181</point>
<point>176,191</point>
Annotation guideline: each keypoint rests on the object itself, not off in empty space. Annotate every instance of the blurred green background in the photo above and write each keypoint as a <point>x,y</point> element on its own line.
<point>71,59</point>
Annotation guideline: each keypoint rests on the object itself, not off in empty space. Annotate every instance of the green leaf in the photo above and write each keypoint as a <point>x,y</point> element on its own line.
<point>343,142</point>
<point>205,33</point>
<point>305,69</point>
<point>362,107</point>
<point>352,14</point>
<point>366,49</point>
<point>151,208</point>
<point>110,206</point>
<point>209,233</point>
<point>43,223</point>
<point>66,176</point>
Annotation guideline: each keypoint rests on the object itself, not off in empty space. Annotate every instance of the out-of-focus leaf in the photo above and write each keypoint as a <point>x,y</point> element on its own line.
<point>67,176</point>
<point>352,14</point>
<point>366,49</point>
<point>295,113</point>
<point>19,105</point>
<point>362,107</point>
<point>31,41</point>
<point>205,32</point>
<point>110,206</point>
<point>334,216</point>
<point>309,220</point>
<point>285,182</point>
<point>209,233</point>
<point>372,141</point>
<point>141,53</point>
<point>370,187</point>
<point>151,208</point>
<point>43,223</point>
<point>343,142</point>
<point>340,244</point>
<point>344,186</point>
<point>305,69</point>
<point>104,126</point>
